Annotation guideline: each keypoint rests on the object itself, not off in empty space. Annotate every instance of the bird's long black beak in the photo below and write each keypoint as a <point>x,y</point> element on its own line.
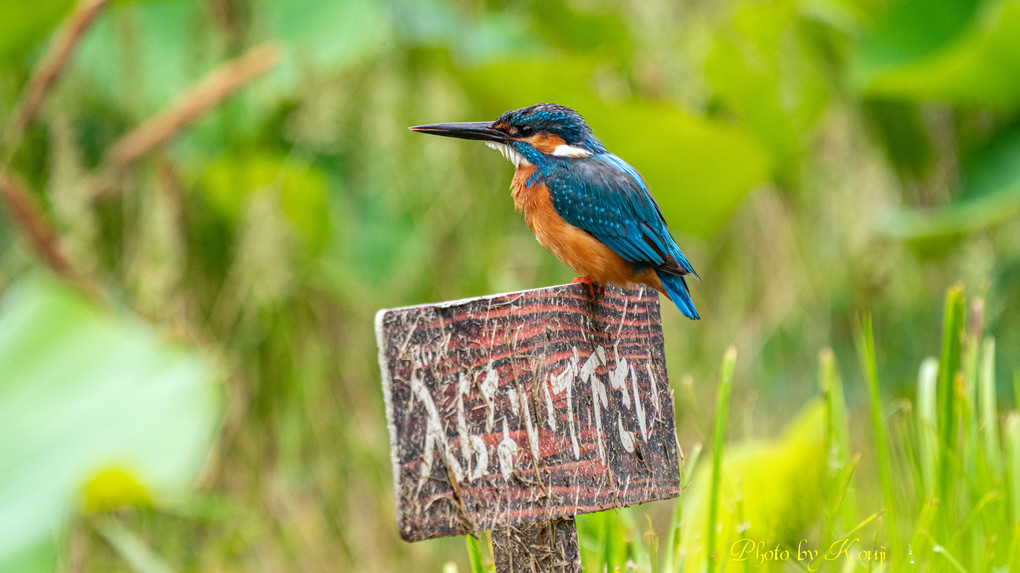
<point>479,130</point>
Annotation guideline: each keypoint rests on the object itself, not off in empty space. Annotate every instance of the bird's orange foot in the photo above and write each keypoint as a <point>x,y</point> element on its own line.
<point>591,287</point>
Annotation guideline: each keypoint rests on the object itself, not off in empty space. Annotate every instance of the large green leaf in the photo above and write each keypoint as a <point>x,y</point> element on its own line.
<point>22,24</point>
<point>698,169</point>
<point>324,37</point>
<point>95,412</point>
<point>229,182</point>
<point>590,29</point>
<point>958,51</point>
<point>899,127</point>
<point>330,34</point>
<point>764,68</point>
<point>144,53</point>
<point>911,30</point>
<point>471,38</point>
<point>990,194</point>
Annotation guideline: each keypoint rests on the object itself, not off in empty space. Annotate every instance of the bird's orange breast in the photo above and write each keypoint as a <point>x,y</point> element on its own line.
<point>575,247</point>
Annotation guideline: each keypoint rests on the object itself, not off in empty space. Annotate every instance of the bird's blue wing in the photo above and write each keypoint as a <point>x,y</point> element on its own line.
<point>606,197</point>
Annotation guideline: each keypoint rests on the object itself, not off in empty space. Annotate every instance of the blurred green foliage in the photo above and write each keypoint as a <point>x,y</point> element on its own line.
<point>299,187</point>
<point>946,465</point>
<point>814,158</point>
<point>766,69</point>
<point>95,414</point>
<point>24,24</point>
<point>960,51</point>
<point>771,492</point>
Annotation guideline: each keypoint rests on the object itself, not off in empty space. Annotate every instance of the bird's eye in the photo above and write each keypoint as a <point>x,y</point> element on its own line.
<point>526,130</point>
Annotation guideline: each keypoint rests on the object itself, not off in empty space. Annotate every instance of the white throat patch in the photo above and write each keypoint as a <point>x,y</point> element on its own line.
<point>570,151</point>
<point>516,158</point>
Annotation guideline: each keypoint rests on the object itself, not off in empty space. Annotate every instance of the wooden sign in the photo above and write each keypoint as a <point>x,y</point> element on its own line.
<point>532,406</point>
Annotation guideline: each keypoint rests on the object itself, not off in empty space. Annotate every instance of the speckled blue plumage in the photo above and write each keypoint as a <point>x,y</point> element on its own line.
<point>608,198</point>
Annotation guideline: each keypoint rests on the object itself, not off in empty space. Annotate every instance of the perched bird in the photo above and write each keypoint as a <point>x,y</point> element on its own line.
<point>584,205</point>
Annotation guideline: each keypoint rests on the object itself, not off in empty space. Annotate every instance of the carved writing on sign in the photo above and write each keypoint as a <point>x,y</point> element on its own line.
<point>526,406</point>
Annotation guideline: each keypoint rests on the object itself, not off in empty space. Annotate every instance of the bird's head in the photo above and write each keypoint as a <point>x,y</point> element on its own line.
<point>535,134</point>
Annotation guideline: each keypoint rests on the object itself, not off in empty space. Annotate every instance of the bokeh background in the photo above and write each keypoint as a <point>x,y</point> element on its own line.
<point>188,332</point>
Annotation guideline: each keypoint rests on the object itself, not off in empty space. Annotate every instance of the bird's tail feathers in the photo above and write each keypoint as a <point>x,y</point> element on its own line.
<point>681,260</point>
<point>676,288</point>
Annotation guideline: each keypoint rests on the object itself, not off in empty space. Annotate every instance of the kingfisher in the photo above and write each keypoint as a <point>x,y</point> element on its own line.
<point>585,205</point>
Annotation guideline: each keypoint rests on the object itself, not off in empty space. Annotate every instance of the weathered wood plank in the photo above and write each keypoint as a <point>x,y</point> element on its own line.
<point>540,547</point>
<point>526,406</point>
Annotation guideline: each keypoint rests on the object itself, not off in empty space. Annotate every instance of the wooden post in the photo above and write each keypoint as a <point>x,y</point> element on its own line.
<point>516,412</point>
<point>538,546</point>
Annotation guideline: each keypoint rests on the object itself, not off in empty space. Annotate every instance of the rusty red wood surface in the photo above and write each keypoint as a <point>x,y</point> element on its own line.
<point>526,406</point>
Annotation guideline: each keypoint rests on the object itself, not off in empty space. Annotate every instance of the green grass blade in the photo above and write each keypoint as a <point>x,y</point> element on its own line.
<point>971,348</point>
<point>633,547</point>
<point>975,513</point>
<point>989,409</point>
<point>949,365</point>
<point>949,557</point>
<point>927,423</point>
<point>838,437</point>
<point>1016,389</point>
<point>865,340</point>
<point>1013,461</point>
<point>841,498</point>
<point>1011,436</point>
<point>718,438</point>
<point>653,546</point>
<point>922,526</point>
<point>613,535</point>
<point>832,388</point>
<point>474,554</point>
<point>131,547</point>
<point>690,462</point>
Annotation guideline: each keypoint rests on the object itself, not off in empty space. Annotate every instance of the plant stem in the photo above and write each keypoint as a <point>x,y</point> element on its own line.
<point>718,438</point>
